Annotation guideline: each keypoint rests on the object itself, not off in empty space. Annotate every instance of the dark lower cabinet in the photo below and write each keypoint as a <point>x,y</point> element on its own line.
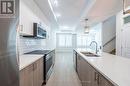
<point>88,75</point>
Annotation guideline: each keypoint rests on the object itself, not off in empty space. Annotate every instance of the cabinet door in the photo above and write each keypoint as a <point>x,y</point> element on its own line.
<point>79,66</point>
<point>26,76</point>
<point>53,54</point>
<point>74,59</point>
<point>94,77</point>
<point>38,73</point>
<point>103,81</point>
<point>84,71</point>
<point>27,18</point>
<point>22,76</point>
<point>88,75</point>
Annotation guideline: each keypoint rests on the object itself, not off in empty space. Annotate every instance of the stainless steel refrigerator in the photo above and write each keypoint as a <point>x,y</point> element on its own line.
<point>9,69</point>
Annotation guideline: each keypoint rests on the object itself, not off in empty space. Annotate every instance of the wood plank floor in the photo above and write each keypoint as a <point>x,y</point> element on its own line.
<point>64,73</point>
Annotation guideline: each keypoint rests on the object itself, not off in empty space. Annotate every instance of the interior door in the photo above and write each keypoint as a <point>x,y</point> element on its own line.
<point>126,41</point>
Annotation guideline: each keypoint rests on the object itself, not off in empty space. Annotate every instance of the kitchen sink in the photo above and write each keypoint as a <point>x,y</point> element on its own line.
<point>89,54</point>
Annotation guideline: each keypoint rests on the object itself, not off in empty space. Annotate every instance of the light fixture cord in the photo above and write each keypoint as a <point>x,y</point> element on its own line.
<point>123,6</point>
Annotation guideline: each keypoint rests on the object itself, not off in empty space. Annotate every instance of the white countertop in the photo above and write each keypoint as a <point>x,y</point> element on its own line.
<point>114,68</point>
<point>26,60</point>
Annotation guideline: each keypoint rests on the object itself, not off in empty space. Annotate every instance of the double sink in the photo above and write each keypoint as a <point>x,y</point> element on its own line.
<point>89,54</point>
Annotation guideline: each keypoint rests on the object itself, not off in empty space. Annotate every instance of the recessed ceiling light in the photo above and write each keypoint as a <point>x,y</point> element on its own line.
<point>64,27</point>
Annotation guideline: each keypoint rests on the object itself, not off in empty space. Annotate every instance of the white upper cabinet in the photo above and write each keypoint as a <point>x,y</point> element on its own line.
<point>26,20</point>
<point>27,17</point>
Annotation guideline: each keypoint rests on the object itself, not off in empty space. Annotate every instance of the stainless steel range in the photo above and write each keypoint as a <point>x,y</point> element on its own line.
<point>48,62</point>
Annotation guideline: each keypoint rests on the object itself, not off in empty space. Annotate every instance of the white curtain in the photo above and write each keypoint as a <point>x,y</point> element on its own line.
<point>64,40</point>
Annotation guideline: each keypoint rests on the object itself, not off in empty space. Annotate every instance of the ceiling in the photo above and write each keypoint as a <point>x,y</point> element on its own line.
<point>102,9</point>
<point>45,8</point>
<point>68,13</point>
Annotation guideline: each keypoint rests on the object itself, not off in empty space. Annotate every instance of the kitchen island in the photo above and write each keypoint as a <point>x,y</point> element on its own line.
<point>114,68</point>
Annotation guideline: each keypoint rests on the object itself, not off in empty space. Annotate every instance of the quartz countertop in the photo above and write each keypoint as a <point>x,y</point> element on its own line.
<point>115,68</point>
<point>26,60</point>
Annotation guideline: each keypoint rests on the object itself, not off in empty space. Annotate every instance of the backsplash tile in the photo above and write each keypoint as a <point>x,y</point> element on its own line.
<point>30,44</point>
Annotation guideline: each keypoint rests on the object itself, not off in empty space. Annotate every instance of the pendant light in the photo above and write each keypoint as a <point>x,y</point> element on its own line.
<point>125,11</point>
<point>86,27</point>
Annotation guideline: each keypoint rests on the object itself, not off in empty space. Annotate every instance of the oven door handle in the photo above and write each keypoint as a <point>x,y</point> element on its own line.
<point>48,57</point>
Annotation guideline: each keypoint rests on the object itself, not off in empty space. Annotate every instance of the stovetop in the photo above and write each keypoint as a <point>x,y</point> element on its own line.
<point>39,52</point>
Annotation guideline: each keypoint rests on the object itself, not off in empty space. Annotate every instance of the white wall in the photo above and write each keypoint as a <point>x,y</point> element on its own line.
<point>108,32</point>
<point>52,41</point>
<point>32,13</point>
<point>79,29</point>
<point>95,34</point>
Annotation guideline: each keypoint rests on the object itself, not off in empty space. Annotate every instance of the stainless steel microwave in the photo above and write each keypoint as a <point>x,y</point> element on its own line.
<point>39,31</point>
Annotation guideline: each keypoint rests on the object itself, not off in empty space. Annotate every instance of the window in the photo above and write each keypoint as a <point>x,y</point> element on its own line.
<point>82,40</point>
<point>64,40</point>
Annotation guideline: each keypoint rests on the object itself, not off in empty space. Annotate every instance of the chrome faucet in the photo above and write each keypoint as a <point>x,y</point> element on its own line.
<point>96,46</point>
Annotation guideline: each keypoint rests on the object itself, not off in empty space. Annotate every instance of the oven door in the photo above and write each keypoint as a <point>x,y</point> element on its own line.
<point>49,65</point>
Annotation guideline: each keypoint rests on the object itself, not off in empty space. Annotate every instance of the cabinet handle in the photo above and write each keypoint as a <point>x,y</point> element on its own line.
<point>21,27</point>
<point>96,76</point>
<point>98,81</point>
